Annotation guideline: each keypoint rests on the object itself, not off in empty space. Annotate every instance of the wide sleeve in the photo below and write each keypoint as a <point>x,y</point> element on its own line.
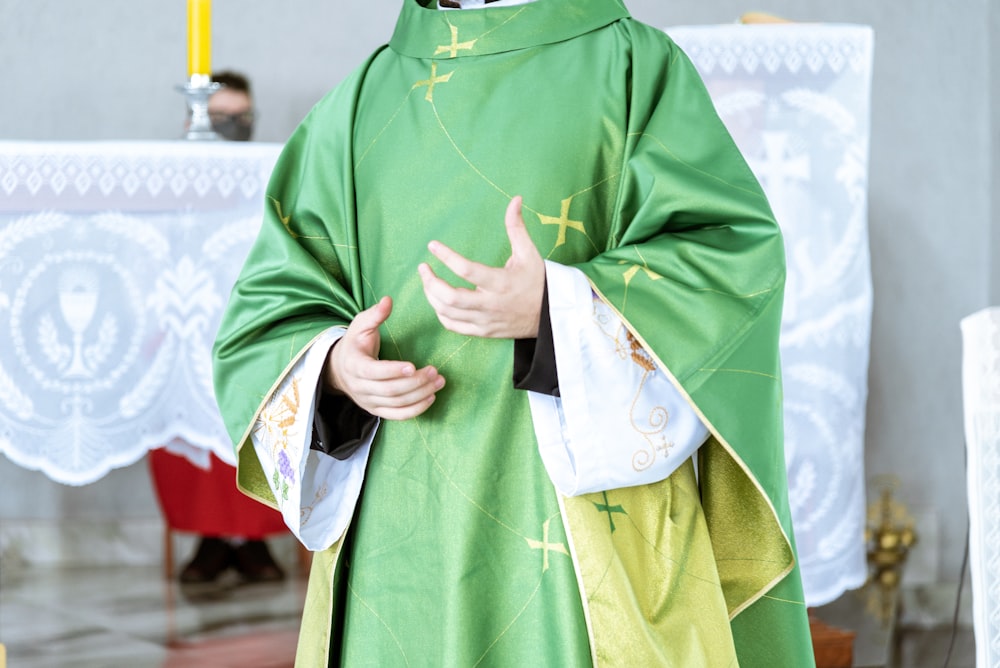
<point>316,493</point>
<point>618,421</point>
<point>696,275</point>
<point>697,270</point>
<point>698,259</point>
<point>300,278</point>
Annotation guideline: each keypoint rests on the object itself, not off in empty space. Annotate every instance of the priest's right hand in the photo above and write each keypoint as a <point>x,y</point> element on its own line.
<point>390,389</point>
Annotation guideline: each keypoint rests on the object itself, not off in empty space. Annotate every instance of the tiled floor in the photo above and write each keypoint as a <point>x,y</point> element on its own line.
<point>130,617</point>
<point>926,635</point>
<point>928,648</point>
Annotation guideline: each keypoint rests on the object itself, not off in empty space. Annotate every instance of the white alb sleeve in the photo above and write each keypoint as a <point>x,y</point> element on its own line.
<point>619,420</point>
<point>316,493</point>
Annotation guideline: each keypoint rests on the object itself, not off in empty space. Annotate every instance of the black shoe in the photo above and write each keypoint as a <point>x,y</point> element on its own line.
<point>214,556</point>
<point>254,562</point>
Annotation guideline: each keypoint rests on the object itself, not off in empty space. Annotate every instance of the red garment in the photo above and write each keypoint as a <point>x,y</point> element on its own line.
<point>208,503</point>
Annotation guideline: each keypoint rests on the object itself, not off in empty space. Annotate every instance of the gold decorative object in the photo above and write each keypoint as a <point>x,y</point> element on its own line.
<point>889,536</point>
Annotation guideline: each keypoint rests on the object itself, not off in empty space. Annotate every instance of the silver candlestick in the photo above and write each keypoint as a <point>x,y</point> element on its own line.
<point>196,93</point>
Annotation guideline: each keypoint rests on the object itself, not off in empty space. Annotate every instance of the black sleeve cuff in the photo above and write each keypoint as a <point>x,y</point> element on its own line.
<point>340,426</point>
<point>535,359</point>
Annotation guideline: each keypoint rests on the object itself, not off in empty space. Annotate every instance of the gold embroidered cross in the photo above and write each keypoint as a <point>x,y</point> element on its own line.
<point>455,46</point>
<point>563,222</point>
<point>545,546</point>
<point>634,269</point>
<point>432,81</point>
<point>285,220</point>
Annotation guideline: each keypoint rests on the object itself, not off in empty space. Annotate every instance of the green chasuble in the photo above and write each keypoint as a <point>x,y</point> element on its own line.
<point>461,552</point>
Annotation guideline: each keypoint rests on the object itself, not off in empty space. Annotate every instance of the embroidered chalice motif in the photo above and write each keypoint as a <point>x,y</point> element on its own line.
<point>78,290</point>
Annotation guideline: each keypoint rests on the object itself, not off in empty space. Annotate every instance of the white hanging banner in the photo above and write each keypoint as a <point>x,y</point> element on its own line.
<point>796,98</point>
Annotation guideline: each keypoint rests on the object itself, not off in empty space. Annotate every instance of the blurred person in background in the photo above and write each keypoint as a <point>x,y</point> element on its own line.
<point>202,498</point>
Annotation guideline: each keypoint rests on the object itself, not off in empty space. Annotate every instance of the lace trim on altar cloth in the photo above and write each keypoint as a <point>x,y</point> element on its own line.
<point>793,48</point>
<point>131,175</point>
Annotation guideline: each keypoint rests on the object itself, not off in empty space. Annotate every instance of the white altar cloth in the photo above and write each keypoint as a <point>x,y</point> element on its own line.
<point>796,98</point>
<point>116,259</point>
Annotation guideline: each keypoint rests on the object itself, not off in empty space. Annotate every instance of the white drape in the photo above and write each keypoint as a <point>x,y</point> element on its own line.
<point>981,403</point>
<point>796,98</point>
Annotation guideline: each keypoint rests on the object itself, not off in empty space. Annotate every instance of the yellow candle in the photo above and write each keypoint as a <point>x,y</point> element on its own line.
<point>199,37</point>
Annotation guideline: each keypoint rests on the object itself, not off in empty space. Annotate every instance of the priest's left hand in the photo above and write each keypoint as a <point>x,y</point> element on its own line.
<point>506,302</point>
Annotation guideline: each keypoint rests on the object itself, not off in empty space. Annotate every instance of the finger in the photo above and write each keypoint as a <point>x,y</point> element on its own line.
<point>468,327</point>
<point>391,402</point>
<point>405,412</point>
<point>443,296</point>
<point>372,317</point>
<point>520,241</point>
<point>400,396</point>
<point>512,216</point>
<point>473,272</point>
<point>469,323</point>
<point>468,312</point>
<point>458,310</point>
<point>381,371</point>
<point>362,334</point>
<point>395,385</point>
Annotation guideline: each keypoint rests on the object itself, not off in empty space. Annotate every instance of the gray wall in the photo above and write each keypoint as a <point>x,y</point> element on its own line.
<point>105,69</point>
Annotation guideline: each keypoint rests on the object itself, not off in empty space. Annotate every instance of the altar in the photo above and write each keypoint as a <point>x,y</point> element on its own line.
<point>116,259</point>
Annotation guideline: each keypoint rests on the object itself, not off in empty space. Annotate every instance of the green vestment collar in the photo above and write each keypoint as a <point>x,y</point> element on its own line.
<point>426,32</point>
